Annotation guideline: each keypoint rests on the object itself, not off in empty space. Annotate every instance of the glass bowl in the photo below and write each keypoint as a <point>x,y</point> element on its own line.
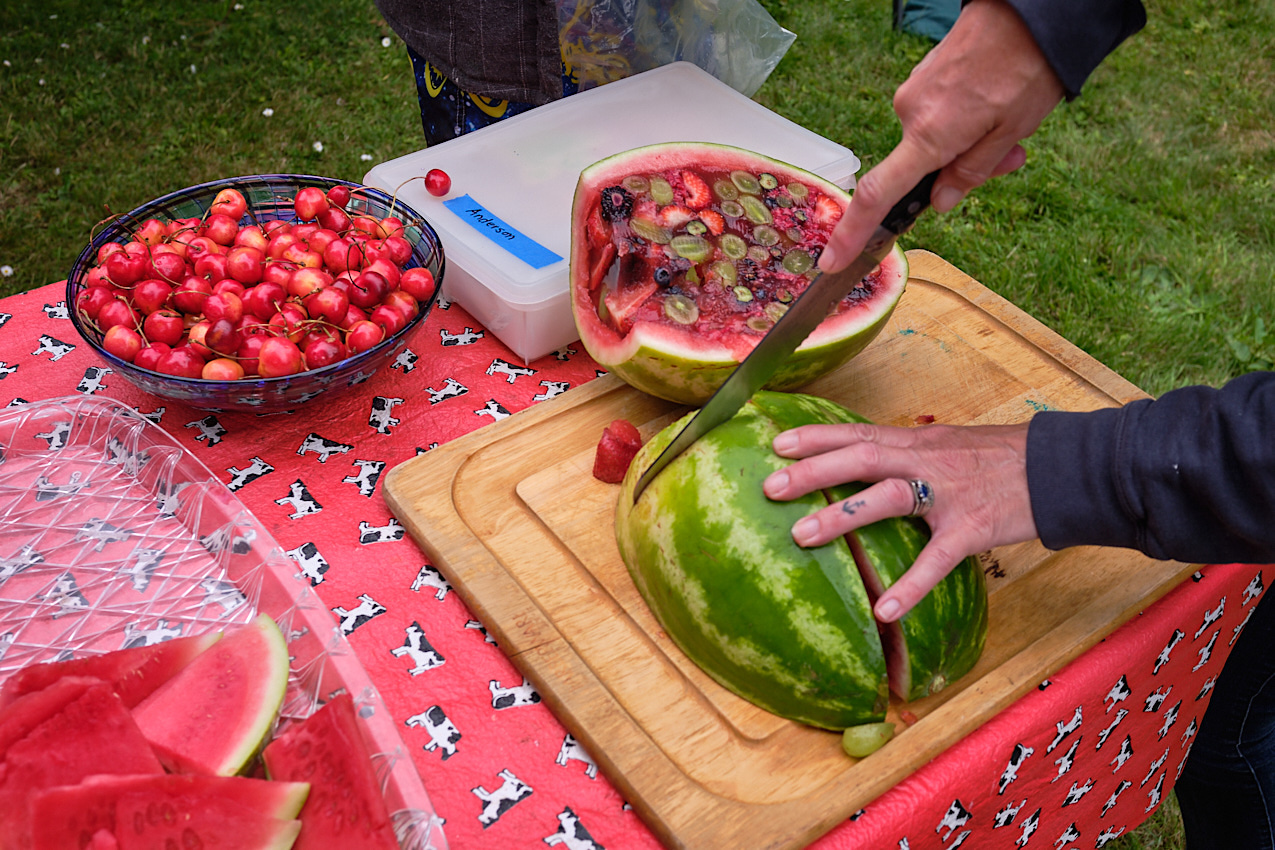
<point>270,197</point>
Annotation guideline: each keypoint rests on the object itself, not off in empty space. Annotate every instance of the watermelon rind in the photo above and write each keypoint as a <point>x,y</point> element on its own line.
<point>215,714</point>
<point>679,363</point>
<point>787,628</point>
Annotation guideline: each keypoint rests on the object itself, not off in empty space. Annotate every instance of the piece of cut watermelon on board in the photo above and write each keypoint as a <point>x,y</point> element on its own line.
<point>345,808</point>
<point>235,686</point>
<point>134,672</point>
<point>620,442</point>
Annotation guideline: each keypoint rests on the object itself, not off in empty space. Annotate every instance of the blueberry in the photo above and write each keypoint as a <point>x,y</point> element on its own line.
<point>663,275</point>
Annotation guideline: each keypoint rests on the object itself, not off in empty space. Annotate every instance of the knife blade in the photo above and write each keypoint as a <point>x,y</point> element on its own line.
<point>803,316</point>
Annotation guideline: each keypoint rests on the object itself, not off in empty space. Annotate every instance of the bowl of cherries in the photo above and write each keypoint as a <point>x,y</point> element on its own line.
<point>256,293</point>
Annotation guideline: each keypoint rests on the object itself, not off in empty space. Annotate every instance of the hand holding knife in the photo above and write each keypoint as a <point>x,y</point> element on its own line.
<point>803,316</point>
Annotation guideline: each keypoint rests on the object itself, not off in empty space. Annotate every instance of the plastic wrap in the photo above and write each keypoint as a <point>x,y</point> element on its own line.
<point>113,535</point>
<point>736,41</point>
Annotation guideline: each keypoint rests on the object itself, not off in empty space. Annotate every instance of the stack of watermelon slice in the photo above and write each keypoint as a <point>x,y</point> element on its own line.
<point>146,747</point>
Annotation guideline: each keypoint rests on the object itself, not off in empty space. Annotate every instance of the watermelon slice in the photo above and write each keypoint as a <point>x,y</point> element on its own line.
<point>67,816</point>
<point>345,808</point>
<point>20,717</point>
<point>235,687</point>
<point>134,672</point>
<point>90,735</point>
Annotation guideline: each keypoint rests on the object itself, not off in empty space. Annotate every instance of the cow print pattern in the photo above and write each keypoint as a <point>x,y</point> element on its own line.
<point>1069,765</point>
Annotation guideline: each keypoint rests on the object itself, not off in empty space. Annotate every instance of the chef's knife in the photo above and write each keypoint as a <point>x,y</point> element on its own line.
<point>803,316</point>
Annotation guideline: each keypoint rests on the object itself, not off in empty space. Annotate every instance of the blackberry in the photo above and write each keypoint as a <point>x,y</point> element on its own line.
<point>747,271</point>
<point>616,203</point>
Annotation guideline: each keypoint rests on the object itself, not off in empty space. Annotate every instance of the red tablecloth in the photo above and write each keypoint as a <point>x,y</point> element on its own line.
<point>1086,757</point>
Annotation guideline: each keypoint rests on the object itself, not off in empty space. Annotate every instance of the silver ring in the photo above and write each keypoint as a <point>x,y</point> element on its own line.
<point>922,496</point>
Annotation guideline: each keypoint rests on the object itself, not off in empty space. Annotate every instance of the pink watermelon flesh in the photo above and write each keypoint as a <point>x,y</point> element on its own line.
<point>195,821</point>
<point>235,688</point>
<point>68,816</point>
<point>30,710</point>
<point>92,734</point>
<point>619,444</point>
<point>345,808</point>
<point>134,672</point>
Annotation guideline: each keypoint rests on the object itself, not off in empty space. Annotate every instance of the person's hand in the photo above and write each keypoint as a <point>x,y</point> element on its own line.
<point>978,475</point>
<point>985,87</point>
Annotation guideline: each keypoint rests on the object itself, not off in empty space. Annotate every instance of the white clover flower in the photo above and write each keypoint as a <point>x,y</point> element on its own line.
<point>6,271</point>
<point>365,157</point>
<point>146,39</point>
<point>57,171</point>
<point>7,64</point>
<point>387,41</point>
<point>65,46</point>
<point>192,69</point>
<point>267,112</point>
<point>238,7</point>
<point>318,147</point>
<point>42,81</point>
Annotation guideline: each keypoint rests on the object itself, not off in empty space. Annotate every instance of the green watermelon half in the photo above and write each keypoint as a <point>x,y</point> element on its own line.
<point>788,628</point>
<point>684,254</point>
<point>142,811</point>
<point>134,672</point>
<point>235,687</point>
<point>346,808</point>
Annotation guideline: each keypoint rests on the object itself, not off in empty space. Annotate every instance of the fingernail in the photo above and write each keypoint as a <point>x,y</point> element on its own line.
<point>785,442</point>
<point>777,482</point>
<point>947,198</point>
<point>805,529</point>
<point>888,610</point>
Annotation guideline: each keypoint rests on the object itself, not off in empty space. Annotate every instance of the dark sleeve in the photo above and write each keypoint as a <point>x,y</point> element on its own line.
<point>1188,477</point>
<point>503,49</point>
<point>1076,35</point>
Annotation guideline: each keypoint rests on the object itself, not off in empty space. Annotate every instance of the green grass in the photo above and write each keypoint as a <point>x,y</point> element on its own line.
<point>1142,227</point>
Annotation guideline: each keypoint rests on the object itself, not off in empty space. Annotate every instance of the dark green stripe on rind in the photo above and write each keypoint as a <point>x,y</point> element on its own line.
<point>787,628</point>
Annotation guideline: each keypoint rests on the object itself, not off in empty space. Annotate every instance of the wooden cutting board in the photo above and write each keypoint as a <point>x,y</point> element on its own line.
<point>513,517</point>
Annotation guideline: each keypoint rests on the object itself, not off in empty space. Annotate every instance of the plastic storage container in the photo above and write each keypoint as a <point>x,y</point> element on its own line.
<point>506,223</point>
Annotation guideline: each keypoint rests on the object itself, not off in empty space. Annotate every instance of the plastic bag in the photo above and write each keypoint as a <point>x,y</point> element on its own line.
<point>736,41</point>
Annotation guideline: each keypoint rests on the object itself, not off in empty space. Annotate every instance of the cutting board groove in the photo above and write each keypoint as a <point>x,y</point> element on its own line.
<point>513,517</point>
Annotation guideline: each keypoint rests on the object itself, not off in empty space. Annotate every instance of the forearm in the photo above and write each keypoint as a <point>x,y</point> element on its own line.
<point>1190,476</point>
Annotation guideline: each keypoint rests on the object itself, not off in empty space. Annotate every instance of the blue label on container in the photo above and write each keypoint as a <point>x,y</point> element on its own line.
<point>485,222</point>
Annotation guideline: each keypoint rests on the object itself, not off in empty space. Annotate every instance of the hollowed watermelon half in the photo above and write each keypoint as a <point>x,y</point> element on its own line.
<point>684,254</point>
<point>786,627</point>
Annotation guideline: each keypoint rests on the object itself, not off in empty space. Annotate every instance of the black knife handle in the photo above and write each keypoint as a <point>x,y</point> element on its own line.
<point>903,215</point>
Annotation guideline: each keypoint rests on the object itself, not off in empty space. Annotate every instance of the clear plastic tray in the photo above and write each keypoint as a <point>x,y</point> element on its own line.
<point>112,535</point>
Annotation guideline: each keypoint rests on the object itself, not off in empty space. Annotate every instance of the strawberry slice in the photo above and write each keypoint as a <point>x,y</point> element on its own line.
<point>713,220</point>
<point>674,216</point>
<point>622,304</point>
<point>698,195</point>
<point>827,210</point>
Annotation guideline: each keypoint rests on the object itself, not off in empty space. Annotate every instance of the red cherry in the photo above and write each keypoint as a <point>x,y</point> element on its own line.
<point>437,182</point>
